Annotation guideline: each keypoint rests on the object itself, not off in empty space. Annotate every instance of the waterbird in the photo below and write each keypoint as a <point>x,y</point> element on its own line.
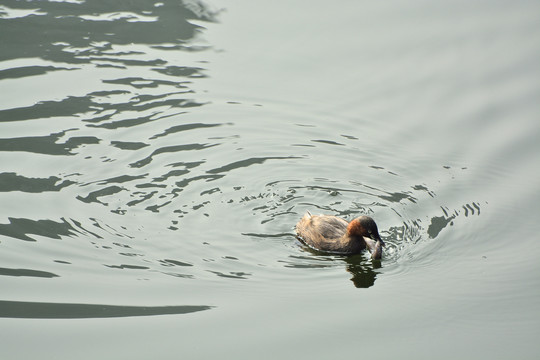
<point>334,235</point>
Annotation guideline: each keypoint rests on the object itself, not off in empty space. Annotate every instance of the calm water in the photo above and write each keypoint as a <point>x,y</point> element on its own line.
<point>155,157</point>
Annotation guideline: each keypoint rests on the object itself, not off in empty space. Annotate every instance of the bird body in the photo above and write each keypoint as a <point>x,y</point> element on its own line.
<point>334,235</point>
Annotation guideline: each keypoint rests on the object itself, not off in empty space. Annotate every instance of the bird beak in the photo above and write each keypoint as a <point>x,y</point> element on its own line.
<point>374,247</point>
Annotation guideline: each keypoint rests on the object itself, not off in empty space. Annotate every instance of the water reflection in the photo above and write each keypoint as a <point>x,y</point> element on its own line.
<point>121,56</point>
<point>47,145</point>
<point>363,274</point>
<point>120,35</point>
<point>23,229</point>
<point>95,27</point>
<point>140,142</point>
<point>438,223</point>
<point>26,273</point>
<point>359,266</point>
<point>14,182</point>
<point>40,310</point>
<point>397,238</point>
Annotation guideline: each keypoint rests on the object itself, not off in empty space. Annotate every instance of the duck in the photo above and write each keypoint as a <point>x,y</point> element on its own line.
<point>334,235</point>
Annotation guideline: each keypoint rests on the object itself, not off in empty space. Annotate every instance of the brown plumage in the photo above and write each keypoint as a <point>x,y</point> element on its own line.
<point>334,235</point>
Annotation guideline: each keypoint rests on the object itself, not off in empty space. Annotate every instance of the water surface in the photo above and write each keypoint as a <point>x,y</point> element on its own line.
<point>155,157</point>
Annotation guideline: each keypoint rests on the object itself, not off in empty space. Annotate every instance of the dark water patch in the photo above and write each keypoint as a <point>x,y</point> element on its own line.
<point>185,182</point>
<point>232,274</point>
<point>113,66</point>
<point>26,273</point>
<point>246,163</point>
<point>124,123</point>
<point>76,141</point>
<point>103,109</point>
<point>38,310</point>
<point>131,122</point>
<point>62,262</point>
<point>211,191</point>
<point>36,144</point>
<point>200,205</point>
<point>76,105</point>
<point>128,267</point>
<point>121,179</point>
<point>438,223</point>
<point>471,209</point>
<point>172,173</point>
<point>155,208</point>
<point>328,142</point>
<point>126,63</point>
<point>127,145</point>
<point>101,94</point>
<point>146,101</point>
<point>124,246</point>
<point>14,182</point>
<point>393,197</point>
<point>22,229</point>
<point>382,168</point>
<point>142,197</point>
<point>188,47</point>
<point>150,186</point>
<point>425,189</point>
<point>170,149</point>
<point>69,106</point>
<point>25,71</point>
<point>178,275</point>
<point>170,262</point>
<point>142,83</point>
<point>181,71</point>
<point>396,197</point>
<point>130,254</point>
<point>184,127</point>
<point>94,196</point>
<point>84,230</point>
<point>72,34</point>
